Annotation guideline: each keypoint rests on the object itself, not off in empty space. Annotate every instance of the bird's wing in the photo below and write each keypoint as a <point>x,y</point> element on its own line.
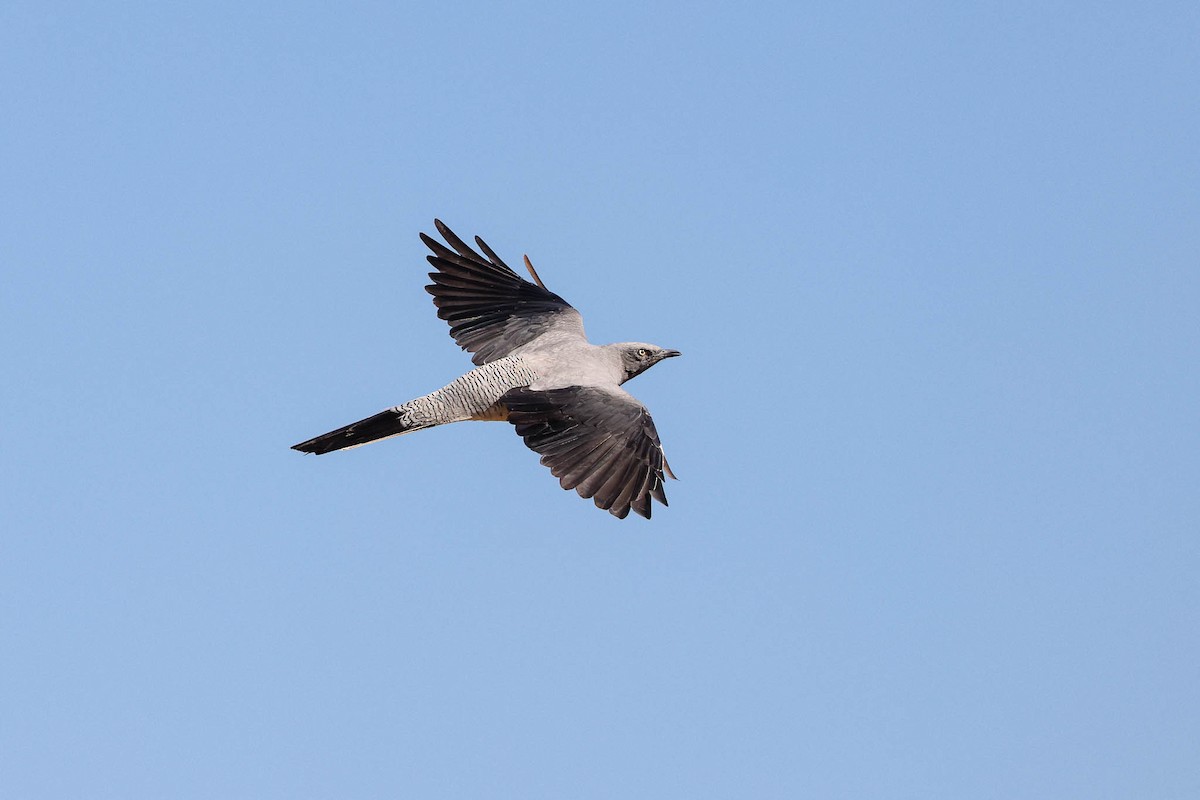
<point>598,441</point>
<point>491,309</point>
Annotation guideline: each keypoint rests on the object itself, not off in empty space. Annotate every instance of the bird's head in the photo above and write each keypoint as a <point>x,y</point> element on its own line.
<point>637,357</point>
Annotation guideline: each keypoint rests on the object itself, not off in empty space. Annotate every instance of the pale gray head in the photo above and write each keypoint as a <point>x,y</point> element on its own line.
<point>637,357</point>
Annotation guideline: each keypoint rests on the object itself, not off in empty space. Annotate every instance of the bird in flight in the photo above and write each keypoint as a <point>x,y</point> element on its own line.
<point>535,369</point>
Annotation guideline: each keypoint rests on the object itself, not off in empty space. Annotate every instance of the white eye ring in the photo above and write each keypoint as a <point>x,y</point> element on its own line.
<point>643,352</point>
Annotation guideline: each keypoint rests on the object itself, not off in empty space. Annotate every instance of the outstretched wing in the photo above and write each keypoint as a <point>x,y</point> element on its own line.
<point>491,309</point>
<point>598,441</point>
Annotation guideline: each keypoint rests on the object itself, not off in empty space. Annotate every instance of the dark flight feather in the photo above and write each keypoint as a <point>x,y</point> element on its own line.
<point>491,309</point>
<point>600,442</point>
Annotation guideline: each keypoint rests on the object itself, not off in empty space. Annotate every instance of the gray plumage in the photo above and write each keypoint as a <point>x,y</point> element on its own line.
<point>536,370</point>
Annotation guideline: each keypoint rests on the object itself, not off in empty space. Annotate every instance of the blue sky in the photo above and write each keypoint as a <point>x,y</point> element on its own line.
<point>935,272</point>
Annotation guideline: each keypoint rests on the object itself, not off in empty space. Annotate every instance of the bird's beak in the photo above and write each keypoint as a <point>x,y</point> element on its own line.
<point>669,354</point>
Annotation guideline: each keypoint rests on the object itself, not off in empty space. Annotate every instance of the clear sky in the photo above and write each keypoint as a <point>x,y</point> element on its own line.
<point>935,272</point>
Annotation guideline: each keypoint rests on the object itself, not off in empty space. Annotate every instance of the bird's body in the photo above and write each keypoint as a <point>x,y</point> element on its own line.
<point>536,370</point>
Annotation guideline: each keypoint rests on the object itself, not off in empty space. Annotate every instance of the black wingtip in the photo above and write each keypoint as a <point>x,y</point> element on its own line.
<point>490,253</point>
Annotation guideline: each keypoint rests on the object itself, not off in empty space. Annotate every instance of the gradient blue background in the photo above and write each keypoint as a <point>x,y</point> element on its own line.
<point>935,271</point>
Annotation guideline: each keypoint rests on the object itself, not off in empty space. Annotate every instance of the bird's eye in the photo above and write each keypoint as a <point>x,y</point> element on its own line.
<point>642,352</point>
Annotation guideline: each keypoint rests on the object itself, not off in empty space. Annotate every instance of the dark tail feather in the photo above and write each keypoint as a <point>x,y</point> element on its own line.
<point>381,426</point>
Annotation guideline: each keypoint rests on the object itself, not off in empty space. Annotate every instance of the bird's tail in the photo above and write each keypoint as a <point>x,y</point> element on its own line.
<point>392,422</point>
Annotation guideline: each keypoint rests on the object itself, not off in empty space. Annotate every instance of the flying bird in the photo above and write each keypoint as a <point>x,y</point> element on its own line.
<point>535,369</point>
